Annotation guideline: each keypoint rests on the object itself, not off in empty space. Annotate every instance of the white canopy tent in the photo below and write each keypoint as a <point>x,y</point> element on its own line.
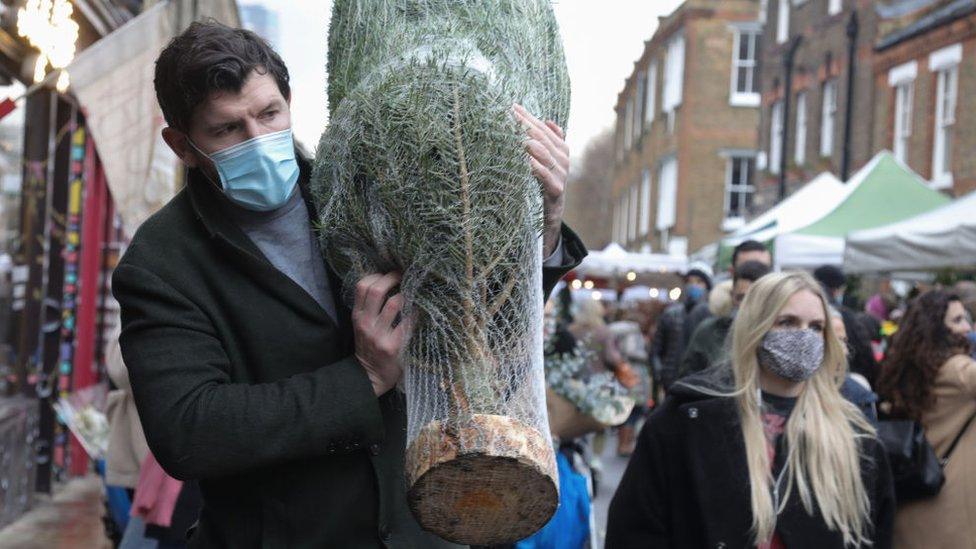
<point>939,239</point>
<point>614,261</point>
<point>808,204</point>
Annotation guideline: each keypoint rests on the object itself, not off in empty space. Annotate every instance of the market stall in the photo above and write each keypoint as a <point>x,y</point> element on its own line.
<point>884,191</point>
<point>942,238</point>
<point>808,204</point>
<point>613,274</point>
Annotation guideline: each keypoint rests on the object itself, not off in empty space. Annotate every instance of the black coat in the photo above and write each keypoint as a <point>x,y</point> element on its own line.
<point>244,382</point>
<point>687,487</point>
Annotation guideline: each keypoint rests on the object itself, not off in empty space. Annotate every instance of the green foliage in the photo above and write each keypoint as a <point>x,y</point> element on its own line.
<point>423,170</point>
<point>596,394</point>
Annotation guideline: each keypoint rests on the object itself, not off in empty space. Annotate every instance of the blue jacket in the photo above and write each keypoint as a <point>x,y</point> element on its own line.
<point>862,397</point>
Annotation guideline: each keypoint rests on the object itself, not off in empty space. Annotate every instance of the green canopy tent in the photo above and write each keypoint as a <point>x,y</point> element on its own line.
<point>883,191</point>
<point>809,203</point>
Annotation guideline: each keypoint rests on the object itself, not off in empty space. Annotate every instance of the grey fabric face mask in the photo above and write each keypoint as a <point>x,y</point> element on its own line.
<point>792,354</point>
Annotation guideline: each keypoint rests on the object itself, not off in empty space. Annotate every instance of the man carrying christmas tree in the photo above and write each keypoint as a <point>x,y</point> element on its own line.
<point>249,372</point>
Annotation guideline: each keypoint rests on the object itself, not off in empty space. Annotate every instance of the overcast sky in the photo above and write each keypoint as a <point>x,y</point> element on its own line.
<point>602,40</point>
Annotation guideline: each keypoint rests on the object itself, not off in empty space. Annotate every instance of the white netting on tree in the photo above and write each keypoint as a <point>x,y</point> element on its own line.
<point>423,170</point>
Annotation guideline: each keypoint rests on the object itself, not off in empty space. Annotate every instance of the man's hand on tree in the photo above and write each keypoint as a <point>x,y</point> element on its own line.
<point>380,329</point>
<point>549,158</point>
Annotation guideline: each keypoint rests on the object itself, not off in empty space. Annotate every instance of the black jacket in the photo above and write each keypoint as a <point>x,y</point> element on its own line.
<point>674,329</point>
<point>686,485</point>
<point>859,340</point>
<point>707,345</point>
<point>244,382</point>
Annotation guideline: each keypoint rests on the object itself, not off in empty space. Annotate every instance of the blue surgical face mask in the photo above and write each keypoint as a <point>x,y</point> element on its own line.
<point>695,293</point>
<point>259,174</point>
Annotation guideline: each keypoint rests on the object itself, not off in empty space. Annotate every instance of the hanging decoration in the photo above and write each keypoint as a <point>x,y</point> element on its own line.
<point>47,25</point>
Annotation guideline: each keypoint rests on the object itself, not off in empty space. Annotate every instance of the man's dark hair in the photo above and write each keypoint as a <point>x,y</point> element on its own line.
<point>751,271</point>
<point>830,276</point>
<point>748,246</point>
<point>211,57</point>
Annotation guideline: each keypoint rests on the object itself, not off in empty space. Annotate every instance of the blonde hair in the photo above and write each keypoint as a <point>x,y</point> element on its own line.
<point>824,430</point>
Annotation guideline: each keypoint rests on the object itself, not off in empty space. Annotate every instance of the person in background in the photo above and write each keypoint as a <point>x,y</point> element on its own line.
<point>650,314</point>
<point>856,388</point>
<point>966,290</point>
<point>883,303</point>
<point>630,342</point>
<point>750,250</point>
<point>720,298</point>
<point>589,327</point>
<point>928,376</point>
<point>675,326</point>
<point>127,447</point>
<point>861,358</point>
<point>773,457</point>
<point>708,343</point>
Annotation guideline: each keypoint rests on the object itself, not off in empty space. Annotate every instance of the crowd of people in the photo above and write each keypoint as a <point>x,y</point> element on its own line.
<point>260,404</point>
<point>773,394</point>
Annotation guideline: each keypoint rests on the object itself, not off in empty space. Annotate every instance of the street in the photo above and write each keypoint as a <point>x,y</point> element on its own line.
<point>613,470</point>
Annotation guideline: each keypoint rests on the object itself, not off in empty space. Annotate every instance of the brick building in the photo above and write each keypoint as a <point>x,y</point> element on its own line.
<point>821,51</point>
<point>686,129</point>
<point>923,77</point>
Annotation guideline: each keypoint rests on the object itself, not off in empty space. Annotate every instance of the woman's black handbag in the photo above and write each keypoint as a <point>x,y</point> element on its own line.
<point>916,470</point>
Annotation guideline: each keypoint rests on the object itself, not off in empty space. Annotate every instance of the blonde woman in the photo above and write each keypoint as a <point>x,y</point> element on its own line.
<point>773,457</point>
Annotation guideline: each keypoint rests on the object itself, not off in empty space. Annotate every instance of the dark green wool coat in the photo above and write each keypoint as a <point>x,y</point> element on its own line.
<point>707,345</point>
<point>244,383</point>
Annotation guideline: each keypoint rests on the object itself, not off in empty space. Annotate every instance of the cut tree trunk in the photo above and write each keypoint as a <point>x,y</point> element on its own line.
<point>488,480</point>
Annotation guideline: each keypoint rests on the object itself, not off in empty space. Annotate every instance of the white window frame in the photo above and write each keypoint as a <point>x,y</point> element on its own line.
<point>828,117</point>
<point>800,140</point>
<point>650,106</point>
<point>945,62</point>
<point>904,99</point>
<point>776,129</point>
<point>645,203</point>
<point>674,69</point>
<point>946,106</point>
<point>746,98</point>
<point>946,57</point>
<point>667,200</point>
<point>629,124</point>
<point>634,209</point>
<point>734,220</point>
<point>902,79</point>
<point>639,107</point>
<point>834,6</point>
<point>783,22</point>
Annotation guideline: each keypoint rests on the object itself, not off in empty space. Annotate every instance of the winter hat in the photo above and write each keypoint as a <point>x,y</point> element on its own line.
<point>700,274</point>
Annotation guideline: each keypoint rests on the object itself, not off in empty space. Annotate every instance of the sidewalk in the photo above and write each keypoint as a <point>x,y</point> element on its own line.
<point>71,519</point>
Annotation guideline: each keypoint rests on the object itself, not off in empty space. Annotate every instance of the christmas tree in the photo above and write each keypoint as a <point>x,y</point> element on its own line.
<point>422,170</point>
